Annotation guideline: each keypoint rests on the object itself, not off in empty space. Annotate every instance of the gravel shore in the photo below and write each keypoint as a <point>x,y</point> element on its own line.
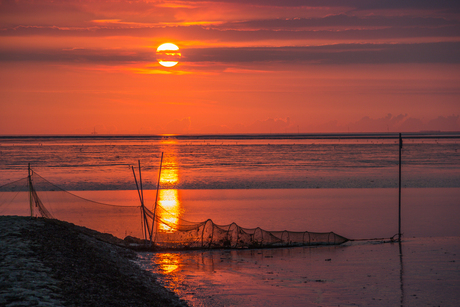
<point>52,263</point>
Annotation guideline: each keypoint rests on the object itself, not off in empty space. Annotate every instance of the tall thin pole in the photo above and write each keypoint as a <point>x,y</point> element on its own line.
<point>158,182</point>
<point>156,198</point>
<point>145,224</point>
<point>142,205</point>
<point>137,186</point>
<point>399,215</point>
<point>30,192</point>
<point>140,181</point>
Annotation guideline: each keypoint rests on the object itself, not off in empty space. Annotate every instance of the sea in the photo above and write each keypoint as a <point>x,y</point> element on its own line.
<point>346,183</point>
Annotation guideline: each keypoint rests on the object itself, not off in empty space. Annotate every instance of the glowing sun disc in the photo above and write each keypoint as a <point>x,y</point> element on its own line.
<point>168,55</point>
<point>167,46</point>
<point>167,63</point>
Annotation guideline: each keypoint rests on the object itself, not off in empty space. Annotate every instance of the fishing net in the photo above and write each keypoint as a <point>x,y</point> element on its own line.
<point>36,196</point>
<point>50,201</point>
<point>174,232</point>
<point>14,198</point>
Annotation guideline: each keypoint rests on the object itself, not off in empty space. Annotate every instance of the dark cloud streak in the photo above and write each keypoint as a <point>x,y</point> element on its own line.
<point>207,33</point>
<point>333,54</point>
<point>76,56</point>
<point>355,4</point>
<point>343,20</point>
<point>330,54</point>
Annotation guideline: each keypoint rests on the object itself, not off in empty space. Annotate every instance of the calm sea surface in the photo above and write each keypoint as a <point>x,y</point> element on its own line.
<point>349,186</point>
<point>232,163</point>
<point>256,181</point>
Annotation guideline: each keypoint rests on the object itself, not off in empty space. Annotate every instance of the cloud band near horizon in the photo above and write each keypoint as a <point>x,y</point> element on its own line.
<point>442,52</point>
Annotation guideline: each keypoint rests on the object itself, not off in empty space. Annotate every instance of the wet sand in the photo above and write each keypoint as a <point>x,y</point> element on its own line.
<point>426,273</point>
<point>51,263</point>
<point>35,263</point>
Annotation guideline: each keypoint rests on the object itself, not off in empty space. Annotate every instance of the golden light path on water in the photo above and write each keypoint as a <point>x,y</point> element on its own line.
<point>168,199</point>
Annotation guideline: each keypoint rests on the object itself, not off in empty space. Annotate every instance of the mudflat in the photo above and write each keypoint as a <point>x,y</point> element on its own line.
<point>52,263</point>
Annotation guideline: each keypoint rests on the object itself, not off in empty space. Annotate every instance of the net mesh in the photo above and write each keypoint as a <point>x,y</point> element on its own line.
<point>184,234</point>
<point>50,201</point>
<point>36,196</point>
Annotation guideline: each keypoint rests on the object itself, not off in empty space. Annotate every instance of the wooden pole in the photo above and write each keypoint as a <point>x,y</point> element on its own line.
<point>156,198</point>
<point>137,186</point>
<point>142,204</point>
<point>140,181</point>
<point>30,193</point>
<point>146,222</point>
<point>399,207</point>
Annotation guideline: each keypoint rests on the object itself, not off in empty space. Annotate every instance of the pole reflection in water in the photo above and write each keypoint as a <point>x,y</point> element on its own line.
<point>168,197</point>
<point>401,274</point>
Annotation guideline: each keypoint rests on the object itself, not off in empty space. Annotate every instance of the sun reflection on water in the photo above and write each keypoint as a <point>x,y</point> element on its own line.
<point>168,196</point>
<point>168,263</point>
<point>169,200</point>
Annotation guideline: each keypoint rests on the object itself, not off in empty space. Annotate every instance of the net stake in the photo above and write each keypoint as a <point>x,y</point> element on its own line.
<point>156,199</point>
<point>399,207</point>
<point>145,224</point>
<point>30,193</point>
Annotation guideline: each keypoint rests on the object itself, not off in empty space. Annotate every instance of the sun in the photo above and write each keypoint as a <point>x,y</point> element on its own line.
<point>168,54</point>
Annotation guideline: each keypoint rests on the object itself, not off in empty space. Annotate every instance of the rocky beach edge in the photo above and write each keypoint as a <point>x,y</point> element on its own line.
<point>52,263</point>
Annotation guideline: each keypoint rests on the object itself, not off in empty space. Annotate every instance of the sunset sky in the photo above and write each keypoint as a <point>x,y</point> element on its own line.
<point>247,66</point>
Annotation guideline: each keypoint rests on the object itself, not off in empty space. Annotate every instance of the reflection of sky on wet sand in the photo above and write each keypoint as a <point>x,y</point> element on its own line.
<point>362,274</point>
<point>358,274</point>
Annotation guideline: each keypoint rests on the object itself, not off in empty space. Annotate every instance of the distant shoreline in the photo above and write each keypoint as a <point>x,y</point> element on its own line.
<point>249,136</point>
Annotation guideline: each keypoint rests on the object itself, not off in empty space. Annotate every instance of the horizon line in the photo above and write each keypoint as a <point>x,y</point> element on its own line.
<point>319,135</point>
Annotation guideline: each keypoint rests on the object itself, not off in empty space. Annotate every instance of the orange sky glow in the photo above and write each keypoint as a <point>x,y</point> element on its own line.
<point>253,66</point>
